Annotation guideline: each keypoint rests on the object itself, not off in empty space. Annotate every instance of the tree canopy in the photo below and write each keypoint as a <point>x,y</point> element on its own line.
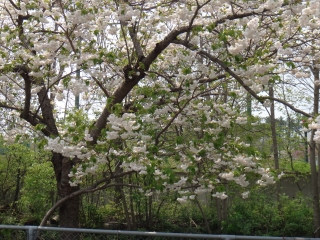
<point>157,88</point>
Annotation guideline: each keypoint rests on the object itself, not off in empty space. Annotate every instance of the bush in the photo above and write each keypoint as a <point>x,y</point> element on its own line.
<point>92,216</point>
<point>184,218</point>
<point>38,192</point>
<point>261,215</point>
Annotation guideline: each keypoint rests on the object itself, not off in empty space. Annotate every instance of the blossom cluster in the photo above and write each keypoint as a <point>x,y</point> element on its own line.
<point>169,91</point>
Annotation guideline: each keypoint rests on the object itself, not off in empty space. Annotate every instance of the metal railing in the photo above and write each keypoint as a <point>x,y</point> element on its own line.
<point>10,232</point>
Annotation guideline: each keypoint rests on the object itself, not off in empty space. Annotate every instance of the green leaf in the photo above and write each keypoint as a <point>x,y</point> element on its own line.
<point>40,126</point>
<point>238,58</point>
<point>290,65</point>
<point>197,29</point>
<point>232,94</point>
<point>186,71</point>
<point>211,26</point>
<point>219,141</point>
<point>179,140</point>
<point>222,37</point>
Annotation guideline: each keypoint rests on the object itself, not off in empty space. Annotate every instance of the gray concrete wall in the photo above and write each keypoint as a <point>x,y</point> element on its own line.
<point>291,187</point>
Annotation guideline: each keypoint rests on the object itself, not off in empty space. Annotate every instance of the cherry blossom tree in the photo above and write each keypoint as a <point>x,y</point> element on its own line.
<point>160,84</point>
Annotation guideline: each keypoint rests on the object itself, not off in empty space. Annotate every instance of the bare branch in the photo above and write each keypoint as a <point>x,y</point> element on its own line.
<point>288,105</point>
<point>14,5</point>
<point>222,65</point>
<point>24,73</point>
<point>136,43</point>
<point>101,87</point>
<point>131,81</point>
<point>95,187</point>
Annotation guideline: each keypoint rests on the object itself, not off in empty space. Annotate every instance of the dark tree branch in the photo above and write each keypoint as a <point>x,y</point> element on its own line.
<point>136,43</point>
<point>14,5</point>
<point>104,90</point>
<point>95,187</point>
<point>288,105</point>
<point>194,17</point>
<point>24,73</point>
<point>222,65</point>
<point>3,105</point>
<point>144,65</point>
<point>161,46</point>
<point>131,81</point>
<point>31,118</point>
<point>228,70</point>
<point>203,80</point>
<point>47,111</point>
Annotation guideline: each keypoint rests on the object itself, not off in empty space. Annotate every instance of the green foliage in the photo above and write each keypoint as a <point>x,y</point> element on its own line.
<point>186,71</point>
<point>259,215</point>
<point>9,218</point>
<point>94,216</point>
<point>111,211</point>
<point>13,166</point>
<point>295,166</point>
<point>290,65</point>
<point>91,216</point>
<point>12,234</point>
<point>25,178</point>
<point>38,191</point>
<point>297,217</point>
<point>176,217</point>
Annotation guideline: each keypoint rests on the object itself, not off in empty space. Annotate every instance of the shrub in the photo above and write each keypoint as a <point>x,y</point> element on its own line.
<point>262,215</point>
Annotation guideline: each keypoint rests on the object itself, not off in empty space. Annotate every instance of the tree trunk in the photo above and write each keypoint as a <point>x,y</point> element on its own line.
<point>126,210</point>
<point>313,165</point>
<point>69,211</point>
<point>274,141</point>
<point>203,216</point>
<point>133,216</point>
<point>150,217</point>
<point>273,131</point>
<point>315,190</point>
